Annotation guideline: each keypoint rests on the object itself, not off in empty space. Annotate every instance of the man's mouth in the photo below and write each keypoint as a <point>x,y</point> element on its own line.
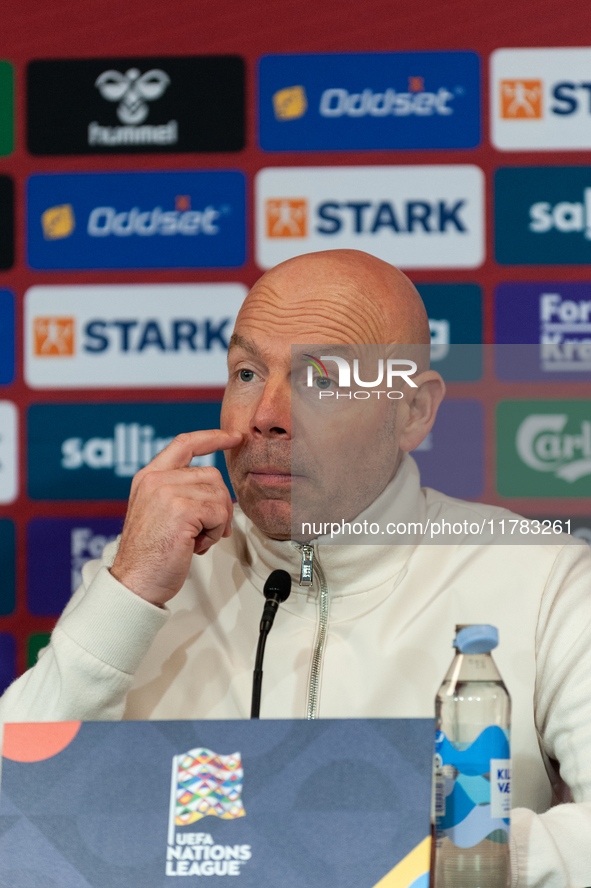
<point>270,475</point>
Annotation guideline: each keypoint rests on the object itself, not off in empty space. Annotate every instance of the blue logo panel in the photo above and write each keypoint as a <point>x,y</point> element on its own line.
<point>543,215</point>
<point>7,660</point>
<point>136,220</point>
<point>7,567</point>
<point>57,548</point>
<point>92,451</point>
<point>6,337</point>
<point>455,318</point>
<point>351,101</point>
<point>451,458</point>
<point>552,320</point>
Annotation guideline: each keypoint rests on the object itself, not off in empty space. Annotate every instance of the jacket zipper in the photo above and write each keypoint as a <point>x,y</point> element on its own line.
<point>309,565</point>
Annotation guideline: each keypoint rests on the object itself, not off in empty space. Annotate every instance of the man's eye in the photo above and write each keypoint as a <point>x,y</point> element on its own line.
<point>246,375</point>
<point>322,382</point>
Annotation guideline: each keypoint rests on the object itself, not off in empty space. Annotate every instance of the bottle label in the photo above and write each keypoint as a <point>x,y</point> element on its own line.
<point>500,787</point>
<point>472,789</point>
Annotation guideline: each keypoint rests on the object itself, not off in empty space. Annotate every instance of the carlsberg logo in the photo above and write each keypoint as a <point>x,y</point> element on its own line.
<point>544,446</point>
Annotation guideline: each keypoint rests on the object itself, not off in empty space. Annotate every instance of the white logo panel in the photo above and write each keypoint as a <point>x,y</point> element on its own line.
<point>410,216</point>
<point>8,452</point>
<point>130,336</point>
<point>541,99</point>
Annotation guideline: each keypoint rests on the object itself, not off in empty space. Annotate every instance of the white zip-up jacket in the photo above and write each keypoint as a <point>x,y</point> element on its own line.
<point>391,613</point>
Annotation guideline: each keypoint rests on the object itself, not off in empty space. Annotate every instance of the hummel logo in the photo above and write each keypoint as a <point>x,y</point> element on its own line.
<point>132,90</point>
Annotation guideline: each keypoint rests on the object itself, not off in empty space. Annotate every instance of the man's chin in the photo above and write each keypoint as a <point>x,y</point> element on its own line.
<point>271,516</point>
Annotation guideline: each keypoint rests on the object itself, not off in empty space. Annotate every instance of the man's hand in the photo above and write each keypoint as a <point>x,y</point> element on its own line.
<point>174,510</point>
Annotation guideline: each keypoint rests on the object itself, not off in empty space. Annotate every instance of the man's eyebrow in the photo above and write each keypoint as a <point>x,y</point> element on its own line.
<point>238,341</point>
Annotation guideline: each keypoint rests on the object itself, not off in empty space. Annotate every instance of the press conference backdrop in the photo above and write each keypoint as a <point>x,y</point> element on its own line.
<point>153,165</point>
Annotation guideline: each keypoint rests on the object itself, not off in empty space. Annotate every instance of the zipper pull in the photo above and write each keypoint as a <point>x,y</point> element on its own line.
<point>306,573</point>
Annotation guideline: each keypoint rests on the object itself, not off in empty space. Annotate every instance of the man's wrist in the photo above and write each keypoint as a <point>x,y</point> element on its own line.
<point>136,585</point>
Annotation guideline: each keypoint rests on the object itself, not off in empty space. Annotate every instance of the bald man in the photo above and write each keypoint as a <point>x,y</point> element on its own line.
<point>166,626</point>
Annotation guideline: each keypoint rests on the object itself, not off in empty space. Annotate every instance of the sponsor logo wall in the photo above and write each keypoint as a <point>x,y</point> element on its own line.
<point>122,275</point>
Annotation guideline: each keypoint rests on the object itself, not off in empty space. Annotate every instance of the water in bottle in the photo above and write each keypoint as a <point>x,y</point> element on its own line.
<point>472,768</point>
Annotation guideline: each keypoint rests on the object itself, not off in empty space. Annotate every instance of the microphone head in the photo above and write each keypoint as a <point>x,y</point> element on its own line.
<point>278,585</point>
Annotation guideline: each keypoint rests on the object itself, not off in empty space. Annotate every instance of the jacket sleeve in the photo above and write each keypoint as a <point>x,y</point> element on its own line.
<point>95,648</point>
<point>553,850</point>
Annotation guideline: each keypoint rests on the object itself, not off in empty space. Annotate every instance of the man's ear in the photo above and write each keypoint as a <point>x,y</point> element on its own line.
<point>422,407</point>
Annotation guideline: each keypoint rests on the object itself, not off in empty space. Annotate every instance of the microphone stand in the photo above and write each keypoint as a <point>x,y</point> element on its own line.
<point>277,589</point>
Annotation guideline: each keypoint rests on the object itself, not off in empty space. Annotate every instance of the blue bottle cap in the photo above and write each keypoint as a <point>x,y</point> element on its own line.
<point>477,639</point>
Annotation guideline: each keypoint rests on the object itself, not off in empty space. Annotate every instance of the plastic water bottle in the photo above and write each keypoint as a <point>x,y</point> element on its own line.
<point>472,768</point>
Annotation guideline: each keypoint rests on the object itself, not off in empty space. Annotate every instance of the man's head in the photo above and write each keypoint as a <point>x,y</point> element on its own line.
<point>340,298</point>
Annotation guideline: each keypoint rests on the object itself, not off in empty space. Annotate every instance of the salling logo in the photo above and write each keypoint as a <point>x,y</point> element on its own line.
<point>131,448</point>
<point>544,447</point>
<point>133,90</point>
<point>399,368</point>
<point>565,333</point>
<point>416,101</point>
<point>566,217</point>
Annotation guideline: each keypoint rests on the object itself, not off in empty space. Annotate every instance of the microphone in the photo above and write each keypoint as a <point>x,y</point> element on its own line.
<point>277,589</point>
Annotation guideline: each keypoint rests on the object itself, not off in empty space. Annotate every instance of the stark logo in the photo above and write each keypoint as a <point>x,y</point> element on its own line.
<point>287,217</point>
<point>132,90</point>
<point>58,222</point>
<point>53,337</point>
<point>290,103</point>
<point>204,783</point>
<point>521,99</point>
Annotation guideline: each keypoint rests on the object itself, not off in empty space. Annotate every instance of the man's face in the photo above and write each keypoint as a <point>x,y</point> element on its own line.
<point>333,455</point>
<point>315,448</point>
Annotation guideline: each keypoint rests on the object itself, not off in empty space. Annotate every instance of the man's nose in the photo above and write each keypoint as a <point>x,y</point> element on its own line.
<point>272,417</point>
